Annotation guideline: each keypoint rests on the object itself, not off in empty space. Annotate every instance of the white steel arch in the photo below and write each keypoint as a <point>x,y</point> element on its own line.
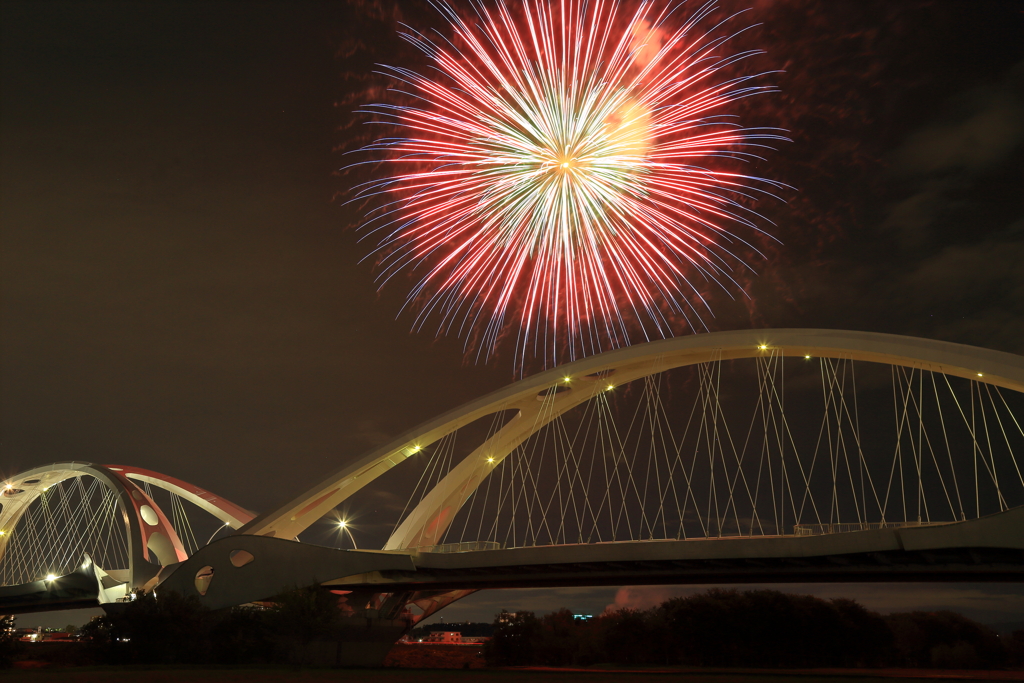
<point>148,530</point>
<point>536,405</point>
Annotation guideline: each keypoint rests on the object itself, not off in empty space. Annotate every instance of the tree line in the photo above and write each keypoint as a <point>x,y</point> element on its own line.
<point>722,628</point>
<point>172,629</point>
<point>756,628</point>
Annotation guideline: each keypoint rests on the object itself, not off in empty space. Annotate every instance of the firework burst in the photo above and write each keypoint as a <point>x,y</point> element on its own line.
<point>559,175</point>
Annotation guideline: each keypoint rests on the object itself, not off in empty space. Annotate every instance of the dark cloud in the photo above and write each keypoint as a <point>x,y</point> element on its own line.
<point>981,128</point>
<point>975,290</point>
<point>962,243</point>
<point>991,270</point>
<point>912,218</point>
<point>943,160</point>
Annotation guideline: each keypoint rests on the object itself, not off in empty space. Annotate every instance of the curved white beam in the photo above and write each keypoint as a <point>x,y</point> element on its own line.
<point>223,509</point>
<point>438,508</point>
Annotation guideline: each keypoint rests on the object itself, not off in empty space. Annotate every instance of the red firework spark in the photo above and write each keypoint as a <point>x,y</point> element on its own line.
<point>559,173</point>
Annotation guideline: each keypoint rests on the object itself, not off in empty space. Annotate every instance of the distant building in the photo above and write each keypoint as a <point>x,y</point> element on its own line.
<point>582,617</point>
<point>29,635</point>
<point>472,632</point>
<point>58,637</point>
<point>446,637</point>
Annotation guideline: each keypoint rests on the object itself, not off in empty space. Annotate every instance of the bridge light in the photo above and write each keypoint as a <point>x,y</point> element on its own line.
<point>51,577</point>
<point>567,379</point>
<point>807,357</point>
<point>762,347</point>
<point>491,459</point>
<point>416,449</point>
<point>980,375</point>
<point>342,524</point>
<point>609,387</point>
<point>2,532</point>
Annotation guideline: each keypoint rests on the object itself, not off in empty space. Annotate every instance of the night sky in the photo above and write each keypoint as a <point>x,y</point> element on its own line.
<point>181,281</point>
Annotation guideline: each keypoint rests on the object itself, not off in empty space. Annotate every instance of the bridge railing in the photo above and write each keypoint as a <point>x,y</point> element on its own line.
<point>466,547</point>
<point>845,527</point>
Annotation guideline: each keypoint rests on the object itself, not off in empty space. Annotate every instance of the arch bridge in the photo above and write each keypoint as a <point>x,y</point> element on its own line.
<point>760,455</point>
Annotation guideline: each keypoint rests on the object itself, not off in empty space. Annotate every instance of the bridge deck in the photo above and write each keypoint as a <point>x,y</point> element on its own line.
<point>987,549</point>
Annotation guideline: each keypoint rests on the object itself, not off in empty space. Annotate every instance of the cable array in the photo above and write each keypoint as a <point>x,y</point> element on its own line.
<point>763,447</point>
<point>80,515</point>
<point>69,519</point>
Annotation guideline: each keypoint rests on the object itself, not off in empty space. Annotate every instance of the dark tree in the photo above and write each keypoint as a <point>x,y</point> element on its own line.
<point>627,637</point>
<point>246,635</point>
<point>8,641</point>
<point>945,640</point>
<point>152,629</point>
<point>1015,649</point>
<point>515,639</point>
<point>306,614</point>
<point>558,643</point>
<point>866,637</point>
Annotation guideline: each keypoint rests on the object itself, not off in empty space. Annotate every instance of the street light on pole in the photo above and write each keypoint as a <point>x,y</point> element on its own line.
<point>343,526</point>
